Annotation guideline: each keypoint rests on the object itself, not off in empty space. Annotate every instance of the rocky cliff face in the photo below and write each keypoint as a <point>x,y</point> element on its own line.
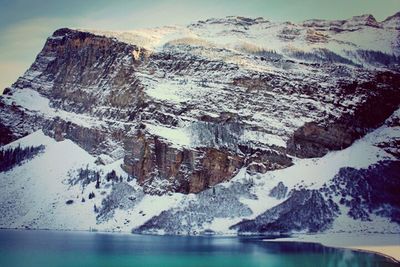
<point>150,159</point>
<point>381,99</point>
<point>230,98</point>
<point>81,72</point>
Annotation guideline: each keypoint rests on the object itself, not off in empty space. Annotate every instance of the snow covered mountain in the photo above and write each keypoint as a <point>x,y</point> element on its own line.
<point>228,126</point>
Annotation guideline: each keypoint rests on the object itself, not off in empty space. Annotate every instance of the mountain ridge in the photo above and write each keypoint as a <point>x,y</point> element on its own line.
<point>190,117</point>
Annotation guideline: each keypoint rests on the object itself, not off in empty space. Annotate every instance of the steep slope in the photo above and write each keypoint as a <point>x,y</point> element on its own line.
<point>392,22</point>
<point>56,190</point>
<point>308,184</point>
<point>200,123</point>
<point>53,191</point>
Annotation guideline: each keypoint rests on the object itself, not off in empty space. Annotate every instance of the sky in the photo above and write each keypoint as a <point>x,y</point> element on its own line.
<point>25,24</point>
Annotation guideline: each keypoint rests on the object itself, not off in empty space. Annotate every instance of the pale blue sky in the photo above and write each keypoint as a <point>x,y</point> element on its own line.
<point>25,24</point>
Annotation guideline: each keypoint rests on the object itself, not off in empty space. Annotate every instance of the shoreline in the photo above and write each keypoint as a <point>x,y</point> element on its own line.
<point>389,250</point>
<point>386,245</point>
<point>392,255</point>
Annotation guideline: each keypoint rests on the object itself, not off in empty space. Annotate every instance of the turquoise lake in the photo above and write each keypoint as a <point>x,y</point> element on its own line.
<point>90,249</point>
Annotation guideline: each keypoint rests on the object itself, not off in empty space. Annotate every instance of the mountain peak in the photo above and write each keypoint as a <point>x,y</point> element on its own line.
<point>392,22</point>
<point>234,20</point>
<point>395,16</point>
<point>363,20</point>
<point>364,17</point>
<point>62,32</point>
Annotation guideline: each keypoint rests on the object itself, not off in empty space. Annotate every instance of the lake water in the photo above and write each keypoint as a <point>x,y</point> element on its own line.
<point>69,249</point>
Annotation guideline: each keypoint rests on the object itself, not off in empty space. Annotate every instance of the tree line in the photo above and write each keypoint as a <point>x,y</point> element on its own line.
<point>14,156</point>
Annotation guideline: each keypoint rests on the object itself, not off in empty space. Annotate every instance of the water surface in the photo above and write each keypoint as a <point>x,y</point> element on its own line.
<point>69,249</point>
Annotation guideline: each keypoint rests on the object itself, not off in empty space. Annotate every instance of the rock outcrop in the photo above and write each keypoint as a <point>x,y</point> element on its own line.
<point>150,159</point>
<point>312,140</point>
<point>279,191</point>
<point>381,99</point>
<point>79,71</point>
